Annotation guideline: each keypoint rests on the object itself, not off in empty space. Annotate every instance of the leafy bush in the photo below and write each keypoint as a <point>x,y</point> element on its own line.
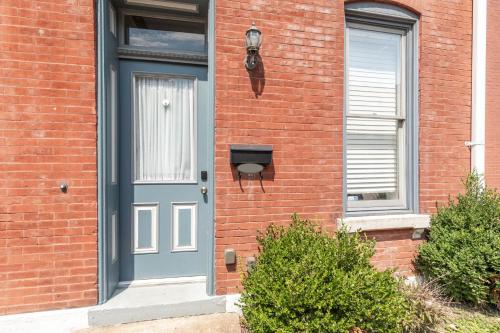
<point>305,280</point>
<point>463,249</point>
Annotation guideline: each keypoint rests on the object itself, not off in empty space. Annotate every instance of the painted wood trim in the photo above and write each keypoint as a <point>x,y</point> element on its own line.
<point>101,152</point>
<point>112,19</point>
<point>155,212</point>
<point>113,83</point>
<point>128,52</point>
<point>370,8</point>
<point>114,236</point>
<point>158,282</point>
<point>211,144</point>
<point>166,4</point>
<point>176,207</point>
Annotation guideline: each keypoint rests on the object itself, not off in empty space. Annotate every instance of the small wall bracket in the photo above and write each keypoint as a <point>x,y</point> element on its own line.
<point>473,143</point>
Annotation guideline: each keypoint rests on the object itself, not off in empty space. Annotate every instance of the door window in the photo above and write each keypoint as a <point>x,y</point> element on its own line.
<point>164,129</point>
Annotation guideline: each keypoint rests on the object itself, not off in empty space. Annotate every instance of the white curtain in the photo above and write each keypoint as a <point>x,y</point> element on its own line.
<point>164,129</point>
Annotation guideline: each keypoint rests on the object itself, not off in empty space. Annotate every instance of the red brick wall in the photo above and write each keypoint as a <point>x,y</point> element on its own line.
<point>48,255</point>
<point>445,98</point>
<point>48,134</point>
<point>395,248</point>
<point>299,111</point>
<point>492,173</point>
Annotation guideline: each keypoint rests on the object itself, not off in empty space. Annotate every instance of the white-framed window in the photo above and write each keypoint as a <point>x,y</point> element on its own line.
<point>380,112</point>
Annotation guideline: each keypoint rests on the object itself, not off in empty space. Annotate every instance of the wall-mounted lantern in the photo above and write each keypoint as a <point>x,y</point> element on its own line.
<point>251,159</point>
<point>253,43</point>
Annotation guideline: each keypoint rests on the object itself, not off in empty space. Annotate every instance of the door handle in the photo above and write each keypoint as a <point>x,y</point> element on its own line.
<point>204,190</point>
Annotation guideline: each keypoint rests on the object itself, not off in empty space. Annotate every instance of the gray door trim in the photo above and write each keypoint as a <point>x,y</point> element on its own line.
<point>211,143</point>
<point>102,164</point>
<point>101,152</point>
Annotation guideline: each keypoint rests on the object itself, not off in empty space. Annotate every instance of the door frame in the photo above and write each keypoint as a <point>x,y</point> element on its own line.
<point>102,26</point>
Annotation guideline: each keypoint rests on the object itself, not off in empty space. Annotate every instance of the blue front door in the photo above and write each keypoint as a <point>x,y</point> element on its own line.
<point>164,156</point>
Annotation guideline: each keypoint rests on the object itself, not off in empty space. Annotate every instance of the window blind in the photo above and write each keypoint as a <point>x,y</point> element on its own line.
<point>374,76</point>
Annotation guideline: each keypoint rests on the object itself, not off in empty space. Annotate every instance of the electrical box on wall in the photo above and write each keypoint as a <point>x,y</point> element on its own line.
<point>229,256</point>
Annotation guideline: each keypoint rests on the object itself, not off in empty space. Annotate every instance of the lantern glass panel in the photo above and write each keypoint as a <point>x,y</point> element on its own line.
<point>253,39</point>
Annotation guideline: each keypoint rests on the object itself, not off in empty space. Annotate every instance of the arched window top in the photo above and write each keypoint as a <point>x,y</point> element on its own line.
<point>368,8</point>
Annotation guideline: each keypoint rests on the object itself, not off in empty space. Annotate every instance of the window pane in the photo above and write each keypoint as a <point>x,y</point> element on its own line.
<point>372,159</point>
<point>373,139</point>
<point>165,35</point>
<point>374,72</point>
<point>164,129</point>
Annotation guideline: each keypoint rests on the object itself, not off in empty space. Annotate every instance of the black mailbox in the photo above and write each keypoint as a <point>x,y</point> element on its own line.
<point>251,159</point>
<point>257,154</point>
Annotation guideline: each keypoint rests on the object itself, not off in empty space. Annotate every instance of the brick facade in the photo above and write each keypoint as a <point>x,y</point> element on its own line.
<point>298,110</point>
<point>492,172</point>
<point>48,240</point>
<point>293,103</point>
<point>445,99</point>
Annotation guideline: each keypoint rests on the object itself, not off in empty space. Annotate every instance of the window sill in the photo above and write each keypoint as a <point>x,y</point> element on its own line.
<point>386,222</point>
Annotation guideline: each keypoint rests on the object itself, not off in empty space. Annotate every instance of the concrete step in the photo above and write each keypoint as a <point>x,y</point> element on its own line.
<point>213,323</point>
<point>150,302</point>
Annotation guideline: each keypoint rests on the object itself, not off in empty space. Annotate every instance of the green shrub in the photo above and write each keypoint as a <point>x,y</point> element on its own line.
<point>463,250</point>
<point>305,280</point>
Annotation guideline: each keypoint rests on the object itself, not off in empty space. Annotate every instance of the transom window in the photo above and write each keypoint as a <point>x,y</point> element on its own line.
<point>379,116</point>
<point>162,33</point>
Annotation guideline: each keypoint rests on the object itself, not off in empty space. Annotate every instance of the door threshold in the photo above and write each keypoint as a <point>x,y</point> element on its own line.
<point>148,302</point>
<point>164,281</point>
